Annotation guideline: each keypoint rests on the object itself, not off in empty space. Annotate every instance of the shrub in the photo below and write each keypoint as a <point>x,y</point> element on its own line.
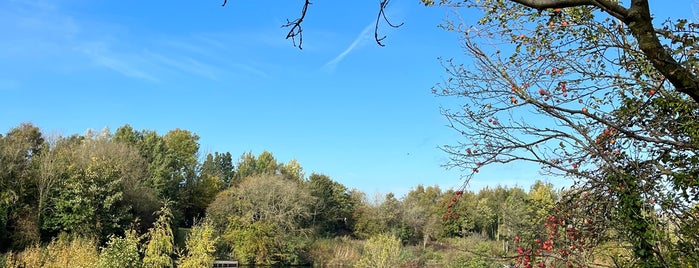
<point>380,251</point>
<point>200,246</point>
<point>121,252</point>
<point>71,251</point>
<point>160,241</point>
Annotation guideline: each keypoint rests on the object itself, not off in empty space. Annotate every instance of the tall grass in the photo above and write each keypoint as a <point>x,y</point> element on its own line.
<point>335,252</point>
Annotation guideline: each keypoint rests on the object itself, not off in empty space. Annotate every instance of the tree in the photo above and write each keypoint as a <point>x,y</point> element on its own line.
<point>422,212</point>
<point>160,246</point>
<point>600,97</point>
<point>333,206</point>
<point>262,219</point>
<point>515,219</point>
<point>96,184</point>
<point>200,247</point>
<point>249,165</point>
<point>19,149</point>
<point>182,148</point>
<point>219,165</point>
<point>121,251</point>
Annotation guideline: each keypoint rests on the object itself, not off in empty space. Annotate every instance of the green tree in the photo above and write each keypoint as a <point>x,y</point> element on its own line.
<point>250,165</point>
<point>96,184</point>
<point>516,221</point>
<point>263,219</point>
<point>219,165</point>
<point>333,206</point>
<point>121,251</point>
<point>422,213</point>
<point>182,150</point>
<point>200,247</point>
<point>368,217</point>
<point>160,247</point>
<point>19,149</point>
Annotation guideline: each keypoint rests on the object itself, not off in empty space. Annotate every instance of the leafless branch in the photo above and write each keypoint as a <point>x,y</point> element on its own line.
<point>295,25</point>
<point>382,14</point>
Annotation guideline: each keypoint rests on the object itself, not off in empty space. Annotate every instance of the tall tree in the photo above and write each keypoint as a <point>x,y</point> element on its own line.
<point>182,149</point>
<point>333,206</point>
<point>593,91</point>
<point>422,212</point>
<point>158,250</point>
<point>89,197</point>
<point>19,151</point>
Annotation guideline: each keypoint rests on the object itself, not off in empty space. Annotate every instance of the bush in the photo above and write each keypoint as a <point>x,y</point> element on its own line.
<point>160,243</point>
<point>380,251</point>
<point>201,246</point>
<point>121,252</point>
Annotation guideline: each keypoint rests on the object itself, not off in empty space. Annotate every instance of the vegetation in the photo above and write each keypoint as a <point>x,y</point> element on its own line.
<point>276,215</point>
<point>611,103</point>
<point>613,107</point>
<point>116,198</point>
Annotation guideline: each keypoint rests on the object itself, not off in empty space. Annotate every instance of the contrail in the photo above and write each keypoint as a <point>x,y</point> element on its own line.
<point>364,35</point>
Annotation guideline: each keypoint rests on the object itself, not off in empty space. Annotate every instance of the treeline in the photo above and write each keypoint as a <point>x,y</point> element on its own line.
<point>141,194</point>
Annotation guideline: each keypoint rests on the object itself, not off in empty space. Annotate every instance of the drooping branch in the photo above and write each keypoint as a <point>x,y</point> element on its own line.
<point>382,14</point>
<point>295,25</point>
<point>296,31</point>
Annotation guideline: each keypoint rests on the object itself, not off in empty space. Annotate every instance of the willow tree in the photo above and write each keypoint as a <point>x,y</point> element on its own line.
<point>595,91</point>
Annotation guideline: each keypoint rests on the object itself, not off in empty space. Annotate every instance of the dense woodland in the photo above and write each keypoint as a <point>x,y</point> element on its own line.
<point>155,197</point>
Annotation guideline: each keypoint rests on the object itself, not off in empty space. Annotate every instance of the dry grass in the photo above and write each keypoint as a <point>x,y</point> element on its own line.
<point>336,252</point>
<point>64,251</point>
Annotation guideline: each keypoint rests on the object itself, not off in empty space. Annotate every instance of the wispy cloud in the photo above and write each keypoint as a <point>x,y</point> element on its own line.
<point>364,36</point>
<point>102,56</point>
<point>43,34</point>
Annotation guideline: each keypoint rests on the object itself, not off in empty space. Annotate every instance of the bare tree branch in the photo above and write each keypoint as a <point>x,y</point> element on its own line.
<point>382,14</point>
<point>295,25</point>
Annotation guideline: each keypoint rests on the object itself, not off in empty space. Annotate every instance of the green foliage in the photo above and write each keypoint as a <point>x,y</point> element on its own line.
<point>422,213</point>
<point>19,149</point>
<point>263,219</point>
<point>90,201</point>
<point>121,251</point>
<point>252,243</point>
<point>200,247</point>
<point>380,251</point>
<point>160,246</point>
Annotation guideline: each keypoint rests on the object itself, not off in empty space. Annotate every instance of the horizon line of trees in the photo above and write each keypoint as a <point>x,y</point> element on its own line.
<point>112,185</point>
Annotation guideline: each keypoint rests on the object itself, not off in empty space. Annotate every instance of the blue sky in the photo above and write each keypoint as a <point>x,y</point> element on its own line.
<point>342,106</point>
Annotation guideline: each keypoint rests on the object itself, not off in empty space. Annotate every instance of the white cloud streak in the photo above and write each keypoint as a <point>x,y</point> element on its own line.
<point>47,36</point>
<point>359,40</point>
